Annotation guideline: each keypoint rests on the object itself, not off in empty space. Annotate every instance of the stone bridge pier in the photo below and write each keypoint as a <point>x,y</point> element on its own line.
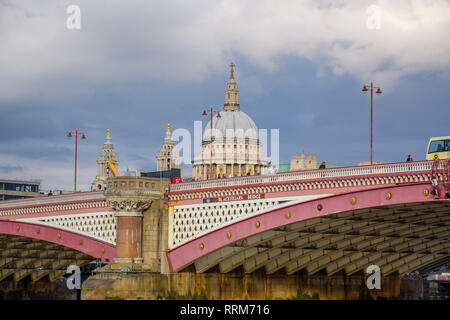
<point>139,206</point>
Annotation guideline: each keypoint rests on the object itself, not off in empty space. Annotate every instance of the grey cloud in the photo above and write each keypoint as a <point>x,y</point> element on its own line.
<point>180,41</point>
<point>9,169</point>
<point>137,65</point>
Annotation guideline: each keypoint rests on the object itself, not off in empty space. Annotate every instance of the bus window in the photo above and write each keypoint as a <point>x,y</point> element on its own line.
<point>436,146</point>
<point>439,146</point>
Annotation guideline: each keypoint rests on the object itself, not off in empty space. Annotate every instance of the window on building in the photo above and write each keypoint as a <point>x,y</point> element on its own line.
<point>10,186</point>
<point>10,197</point>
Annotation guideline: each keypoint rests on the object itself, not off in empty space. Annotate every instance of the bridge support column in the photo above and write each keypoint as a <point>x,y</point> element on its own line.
<point>129,214</point>
<point>130,197</point>
<point>129,236</point>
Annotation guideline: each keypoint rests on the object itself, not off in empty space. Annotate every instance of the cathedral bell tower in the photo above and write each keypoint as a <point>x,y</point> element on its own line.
<point>167,157</point>
<point>104,157</point>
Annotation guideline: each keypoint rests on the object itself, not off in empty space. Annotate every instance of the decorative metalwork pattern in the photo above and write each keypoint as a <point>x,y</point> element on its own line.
<point>99,224</point>
<point>189,221</point>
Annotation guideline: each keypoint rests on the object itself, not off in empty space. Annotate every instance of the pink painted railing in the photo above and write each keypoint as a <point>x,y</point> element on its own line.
<point>369,171</point>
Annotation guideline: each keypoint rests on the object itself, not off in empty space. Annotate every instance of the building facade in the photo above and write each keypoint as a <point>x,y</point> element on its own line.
<point>103,172</point>
<point>367,163</point>
<point>167,157</point>
<point>232,148</point>
<point>18,189</point>
<point>303,162</point>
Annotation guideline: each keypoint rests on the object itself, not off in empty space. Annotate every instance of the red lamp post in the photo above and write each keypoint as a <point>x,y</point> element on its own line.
<point>364,89</point>
<point>205,113</point>
<point>83,137</point>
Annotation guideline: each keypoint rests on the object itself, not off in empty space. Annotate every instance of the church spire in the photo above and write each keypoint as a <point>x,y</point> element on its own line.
<point>108,137</point>
<point>232,71</point>
<point>231,93</point>
<point>168,134</point>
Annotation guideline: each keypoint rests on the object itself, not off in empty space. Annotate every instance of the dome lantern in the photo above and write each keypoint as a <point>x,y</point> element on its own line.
<point>231,93</point>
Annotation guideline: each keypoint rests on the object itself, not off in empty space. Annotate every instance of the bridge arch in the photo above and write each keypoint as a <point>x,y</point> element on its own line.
<point>399,228</point>
<point>73,240</point>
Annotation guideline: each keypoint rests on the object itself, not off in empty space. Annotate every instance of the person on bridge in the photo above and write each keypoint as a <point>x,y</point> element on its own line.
<point>322,165</point>
<point>409,158</point>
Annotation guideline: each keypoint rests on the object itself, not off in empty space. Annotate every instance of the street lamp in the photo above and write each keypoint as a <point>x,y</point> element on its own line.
<point>205,113</point>
<point>83,137</point>
<point>364,89</point>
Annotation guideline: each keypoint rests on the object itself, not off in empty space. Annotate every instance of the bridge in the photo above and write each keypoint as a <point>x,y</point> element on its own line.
<point>397,228</point>
<point>327,221</point>
<point>43,236</point>
<point>202,210</point>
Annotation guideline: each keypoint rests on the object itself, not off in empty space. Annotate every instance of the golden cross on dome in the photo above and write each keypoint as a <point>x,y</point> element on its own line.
<point>232,70</point>
<point>108,133</point>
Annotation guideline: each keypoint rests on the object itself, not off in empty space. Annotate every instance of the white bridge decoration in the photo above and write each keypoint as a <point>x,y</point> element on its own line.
<point>85,213</point>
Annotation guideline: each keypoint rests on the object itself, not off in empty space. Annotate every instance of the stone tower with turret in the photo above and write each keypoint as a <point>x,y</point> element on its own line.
<point>167,157</point>
<point>104,157</point>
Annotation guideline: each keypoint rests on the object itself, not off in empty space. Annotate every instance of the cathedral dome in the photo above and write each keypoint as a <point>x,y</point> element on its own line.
<point>234,122</point>
<point>235,149</point>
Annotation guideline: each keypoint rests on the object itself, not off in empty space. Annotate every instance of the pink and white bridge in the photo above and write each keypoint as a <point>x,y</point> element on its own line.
<point>42,236</point>
<point>396,216</point>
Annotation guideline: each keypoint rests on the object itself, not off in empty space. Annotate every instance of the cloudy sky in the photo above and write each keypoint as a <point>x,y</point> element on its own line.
<point>134,66</point>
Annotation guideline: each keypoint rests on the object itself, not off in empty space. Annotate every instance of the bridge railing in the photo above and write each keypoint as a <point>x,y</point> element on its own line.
<point>368,170</point>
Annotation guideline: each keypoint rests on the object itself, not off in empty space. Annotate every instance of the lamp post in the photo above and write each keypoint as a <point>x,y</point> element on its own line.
<point>205,113</point>
<point>364,89</point>
<point>83,137</point>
